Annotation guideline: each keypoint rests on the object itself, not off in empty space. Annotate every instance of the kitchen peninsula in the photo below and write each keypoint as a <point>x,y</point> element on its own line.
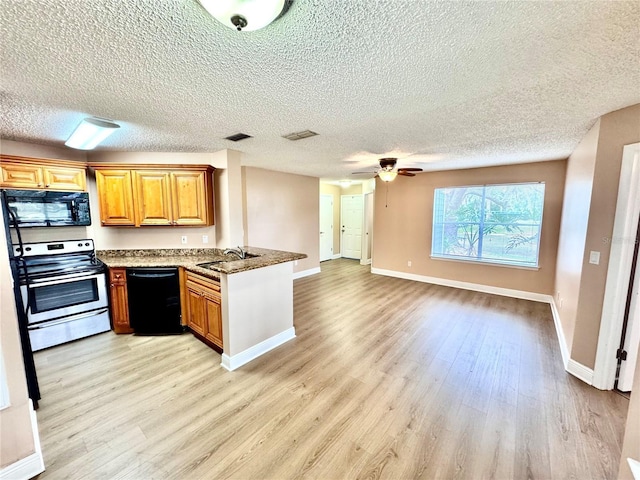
<point>254,295</point>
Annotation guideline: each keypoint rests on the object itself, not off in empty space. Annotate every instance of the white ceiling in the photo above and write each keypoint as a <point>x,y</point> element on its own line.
<point>438,84</point>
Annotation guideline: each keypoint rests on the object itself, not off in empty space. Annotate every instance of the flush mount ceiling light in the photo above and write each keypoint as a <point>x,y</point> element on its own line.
<point>90,133</point>
<point>244,15</point>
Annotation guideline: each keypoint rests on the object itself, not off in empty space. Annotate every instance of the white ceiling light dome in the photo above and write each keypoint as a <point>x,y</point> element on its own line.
<point>245,15</point>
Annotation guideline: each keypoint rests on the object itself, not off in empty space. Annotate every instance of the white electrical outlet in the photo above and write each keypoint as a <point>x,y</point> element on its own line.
<point>205,238</point>
<point>409,263</point>
<point>184,239</point>
<point>594,257</point>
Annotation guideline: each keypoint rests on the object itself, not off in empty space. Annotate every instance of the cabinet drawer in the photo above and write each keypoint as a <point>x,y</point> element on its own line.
<point>198,281</point>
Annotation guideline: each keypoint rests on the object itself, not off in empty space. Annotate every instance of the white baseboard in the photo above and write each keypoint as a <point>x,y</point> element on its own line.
<point>505,292</point>
<point>306,273</point>
<point>564,348</point>
<point>236,361</point>
<point>336,256</point>
<point>365,262</point>
<point>30,466</point>
<point>580,371</point>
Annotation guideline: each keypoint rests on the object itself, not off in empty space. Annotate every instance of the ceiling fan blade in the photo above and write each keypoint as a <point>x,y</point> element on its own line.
<point>362,173</point>
<point>406,174</point>
<point>410,169</point>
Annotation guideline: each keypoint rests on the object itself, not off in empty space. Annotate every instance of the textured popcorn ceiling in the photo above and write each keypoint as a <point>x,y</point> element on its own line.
<point>438,84</point>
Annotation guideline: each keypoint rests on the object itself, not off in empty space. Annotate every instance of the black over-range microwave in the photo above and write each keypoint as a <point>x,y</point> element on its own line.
<point>42,208</point>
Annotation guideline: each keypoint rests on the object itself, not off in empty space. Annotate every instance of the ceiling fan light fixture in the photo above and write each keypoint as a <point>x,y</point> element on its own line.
<point>387,175</point>
<point>90,132</point>
<point>244,15</point>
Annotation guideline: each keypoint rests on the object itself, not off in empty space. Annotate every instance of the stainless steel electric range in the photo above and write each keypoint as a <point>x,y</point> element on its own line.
<point>64,291</point>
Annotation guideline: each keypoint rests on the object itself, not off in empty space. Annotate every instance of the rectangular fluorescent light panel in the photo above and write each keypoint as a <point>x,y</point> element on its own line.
<point>90,133</point>
<point>300,135</point>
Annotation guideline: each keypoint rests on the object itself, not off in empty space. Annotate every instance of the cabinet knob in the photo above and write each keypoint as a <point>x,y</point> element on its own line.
<point>39,184</point>
<point>47,186</point>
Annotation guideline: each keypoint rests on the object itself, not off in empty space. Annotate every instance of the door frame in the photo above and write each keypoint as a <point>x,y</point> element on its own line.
<point>325,195</point>
<point>368,205</point>
<point>619,270</point>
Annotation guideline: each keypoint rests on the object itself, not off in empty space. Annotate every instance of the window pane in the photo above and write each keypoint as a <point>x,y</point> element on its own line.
<point>495,223</point>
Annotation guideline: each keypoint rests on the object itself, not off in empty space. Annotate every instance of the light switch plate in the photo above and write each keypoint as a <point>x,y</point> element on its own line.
<point>594,258</point>
<point>205,238</point>
<point>184,239</point>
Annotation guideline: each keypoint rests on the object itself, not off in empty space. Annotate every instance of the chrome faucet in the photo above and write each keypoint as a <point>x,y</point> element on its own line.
<point>236,251</point>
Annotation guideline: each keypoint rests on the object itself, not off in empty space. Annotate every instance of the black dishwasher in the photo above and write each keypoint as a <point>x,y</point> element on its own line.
<point>154,300</point>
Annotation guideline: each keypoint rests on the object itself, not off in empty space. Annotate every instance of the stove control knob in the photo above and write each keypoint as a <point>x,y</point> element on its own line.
<point>79,244</point>
<point>86,244</point>
<point>18,249</point>
<point>28,249</point>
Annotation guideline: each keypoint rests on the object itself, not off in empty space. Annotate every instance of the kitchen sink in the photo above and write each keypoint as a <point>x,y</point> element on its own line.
<point>226,258</point>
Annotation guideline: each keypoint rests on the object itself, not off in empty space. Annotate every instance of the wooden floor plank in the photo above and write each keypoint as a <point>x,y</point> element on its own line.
<point>387,378</point>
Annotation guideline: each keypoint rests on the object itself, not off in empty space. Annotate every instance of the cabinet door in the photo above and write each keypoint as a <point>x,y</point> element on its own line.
<point>21,176</point>
<point>213,325</point>
<point>154,197</point>
<point>195,309</point>
<point>189,198</point>
<point>63,178</point>
<point>119,300</point>
<point>115,191</point>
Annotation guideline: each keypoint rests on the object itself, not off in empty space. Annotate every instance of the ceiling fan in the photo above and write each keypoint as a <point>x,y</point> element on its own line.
<point>387,172</point>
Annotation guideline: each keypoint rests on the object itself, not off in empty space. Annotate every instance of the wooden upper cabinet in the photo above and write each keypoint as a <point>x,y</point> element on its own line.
<point>34,173</point>
<point>154,197</point>
<point>189,191</point>
<point>62,178</point>
<point>115,192</point>
<point>161,195</point>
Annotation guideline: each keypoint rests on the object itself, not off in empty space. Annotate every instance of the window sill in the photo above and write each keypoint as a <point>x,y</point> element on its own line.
<point>485,262</point>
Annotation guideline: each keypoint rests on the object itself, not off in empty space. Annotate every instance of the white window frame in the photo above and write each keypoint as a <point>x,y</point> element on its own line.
<point>479,260</point>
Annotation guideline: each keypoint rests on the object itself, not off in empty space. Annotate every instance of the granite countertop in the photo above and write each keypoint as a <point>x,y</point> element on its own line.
<point>189,258</point>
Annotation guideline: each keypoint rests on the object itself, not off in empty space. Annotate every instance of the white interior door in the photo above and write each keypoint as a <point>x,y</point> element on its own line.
<point>368,229</point>
<point>326,227</point>
<point>351,226</point>
<point>632,336</point>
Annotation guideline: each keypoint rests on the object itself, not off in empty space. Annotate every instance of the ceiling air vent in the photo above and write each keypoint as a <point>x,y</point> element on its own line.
<point>300,135</point>
<point>237,137</point>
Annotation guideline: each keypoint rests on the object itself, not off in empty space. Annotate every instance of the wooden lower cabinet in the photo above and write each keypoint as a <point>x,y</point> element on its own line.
<point>204,307</point>
<point>119,300</point>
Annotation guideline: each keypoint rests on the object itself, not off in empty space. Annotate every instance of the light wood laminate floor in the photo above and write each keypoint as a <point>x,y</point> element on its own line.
<point>387,378</point>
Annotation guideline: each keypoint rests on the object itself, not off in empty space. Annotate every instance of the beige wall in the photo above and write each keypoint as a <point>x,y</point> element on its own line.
<point>283,213</point>
<point>573,230</point>
<point>402,229</point>
<point>616,130</point>
<point>593,174</point>
<point>334,191</point>
<point>16,435</point>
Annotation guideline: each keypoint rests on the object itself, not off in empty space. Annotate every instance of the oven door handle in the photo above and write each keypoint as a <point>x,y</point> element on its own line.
<point>58,281</point>
<point>70,318</point>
